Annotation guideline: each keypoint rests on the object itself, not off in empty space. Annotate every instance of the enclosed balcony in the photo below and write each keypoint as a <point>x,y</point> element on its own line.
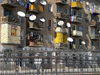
<point>95,36</point>
<point>95,9</point>
<point>35,8</point>
<point>76,19</point>
<point>61,2</point>
<point>35,26</point>
<point>76,4</point>
<point>77,33</point>
<point>10,34</point>
<point>34,39</point>
<point>9,3</point>
<point>9,19</point>
<point>62,16</point>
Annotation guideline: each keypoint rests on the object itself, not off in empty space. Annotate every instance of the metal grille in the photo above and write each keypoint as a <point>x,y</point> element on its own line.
<point>49,63</point>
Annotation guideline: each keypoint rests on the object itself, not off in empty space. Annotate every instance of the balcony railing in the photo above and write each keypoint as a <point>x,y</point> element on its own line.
<point>62,15</point>
<point>35,8</point>
<point>94,36</point>
<point>61,2</point>
<point>76,4</point>
<point>76,19</point>
<point>95,11</point>
<point>35,26</point>
<point>9,19</point>
<point>92,23</point>
<point>77,33</point>
<point>9,3</point>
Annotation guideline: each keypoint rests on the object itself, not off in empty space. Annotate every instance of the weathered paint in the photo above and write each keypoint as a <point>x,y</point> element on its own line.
<point>6,36</point>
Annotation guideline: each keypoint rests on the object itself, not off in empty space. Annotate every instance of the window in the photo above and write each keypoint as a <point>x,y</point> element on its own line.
<point>80,41</point>
<point>21,19</point>
<point>80,28</point>
<point>92,5</point>
<point>92,43</point>
<point>92,31</point>
<point>66,1</point>
<point>67,11</point>
<point>50,38</point>
<point>87,7</point>
<point>74,41</point>
<point>7,12</point>
<point>59,9</point>
<point>81,1</point>
<point>73,0</point>
<point>86,30</point>
<point>98,7</point>
<point>50,7</point>
<point>13,31</point>
<point>86,43</point>
<point>73,13</point>
<point>49,24</point>
<point>99,44</point>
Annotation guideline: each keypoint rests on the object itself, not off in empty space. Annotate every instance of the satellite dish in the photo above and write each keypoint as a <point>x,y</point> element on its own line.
<point>68,25</point>
<point>21,14</point>
<point>42,20</point>
<point>83,42</point>
<point>69,39</point>
<point>60,23</point>
<point>32,17</point>
<point>99,32</point>
<point>87,3</point>
<point>59,29</point>
<point>43,2</point>
<point>32,1</point>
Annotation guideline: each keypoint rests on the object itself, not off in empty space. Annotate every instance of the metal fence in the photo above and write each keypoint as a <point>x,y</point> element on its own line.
<point>49,63</point>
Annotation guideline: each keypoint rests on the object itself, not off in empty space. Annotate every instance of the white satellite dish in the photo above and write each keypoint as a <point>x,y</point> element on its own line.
<point>99,32</point>
<point>43,2</point>
<point>68,25</point>
<point>69,39</point>
<point>87,3</point>
<point>61,23</point>
<point>32,17</point>
<point>42,20</point>
<point>83,42</point>
<point>59,29</point>
<point>32,1</point>
<point>21,14</point>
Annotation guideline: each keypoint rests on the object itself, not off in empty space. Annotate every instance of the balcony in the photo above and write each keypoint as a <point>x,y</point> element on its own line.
<point>95,11</point>
<point>10,34</point>
<point>95,36</point>
<point>77,33</point>
<point>9,3</point>
<point>34,8</point>
<point>34,39</point>
<point>76,4</point>
<point>76,19</point>
<point>62,16</point>
<point>35,26</point>
<point>9,19</point>
<point>92,23</point>
<point>35,44</point>
<point>61,2</point>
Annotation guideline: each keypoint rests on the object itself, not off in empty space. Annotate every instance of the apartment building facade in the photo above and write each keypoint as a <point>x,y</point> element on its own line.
<point>52,30</point>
